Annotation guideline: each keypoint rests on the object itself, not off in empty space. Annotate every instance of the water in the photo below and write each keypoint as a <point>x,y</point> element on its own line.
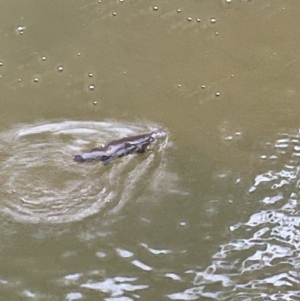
<point>42,184</point>
<point>210,212</point>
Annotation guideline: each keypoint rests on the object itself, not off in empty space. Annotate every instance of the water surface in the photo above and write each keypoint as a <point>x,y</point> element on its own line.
<point>210,213</point>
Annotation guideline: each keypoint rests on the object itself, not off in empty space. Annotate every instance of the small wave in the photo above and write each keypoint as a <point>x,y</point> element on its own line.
<point>42,183</point>
<point>260,261</point>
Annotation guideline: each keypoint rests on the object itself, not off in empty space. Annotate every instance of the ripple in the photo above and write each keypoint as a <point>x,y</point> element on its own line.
<point>41,183</point>
<point>260,261</point>
<point>285,170</point>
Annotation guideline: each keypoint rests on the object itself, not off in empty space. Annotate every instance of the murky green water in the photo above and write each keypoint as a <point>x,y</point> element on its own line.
<point>46,186</point>
<point>210,212</point>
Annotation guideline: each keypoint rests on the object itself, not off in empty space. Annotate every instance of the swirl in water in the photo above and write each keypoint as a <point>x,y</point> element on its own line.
<point>42,183</point>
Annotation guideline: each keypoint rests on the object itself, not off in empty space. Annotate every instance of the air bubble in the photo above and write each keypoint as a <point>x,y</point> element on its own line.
<point>213,20</point>
<point>36,80</point>
<point>217,93</point>
<point>114,13</point>
<point>179,10</point>
<point>90,74</point>
<point>95,102</point>
<point>155,7</point>
<point>20,29</point>
<point>60,68</point>
<point>91,87</point>
<point>198,20</point>
<point>189,19</point>
<point>1,64</point>
<point>44,58</point>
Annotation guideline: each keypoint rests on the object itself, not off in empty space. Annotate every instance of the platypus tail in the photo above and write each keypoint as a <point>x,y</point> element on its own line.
<point>78,158</point>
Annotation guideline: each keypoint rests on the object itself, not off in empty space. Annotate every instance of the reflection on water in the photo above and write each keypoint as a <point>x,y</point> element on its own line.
<point>261,261</point>
<point>116,286</point>
<point>207,70</point>
<point>42,183</point>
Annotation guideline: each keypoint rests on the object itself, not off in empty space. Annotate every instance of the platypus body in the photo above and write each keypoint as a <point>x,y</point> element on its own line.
<point>119,148</point>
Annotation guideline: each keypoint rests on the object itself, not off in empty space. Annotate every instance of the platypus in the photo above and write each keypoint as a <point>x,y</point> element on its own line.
<point>120,148</point>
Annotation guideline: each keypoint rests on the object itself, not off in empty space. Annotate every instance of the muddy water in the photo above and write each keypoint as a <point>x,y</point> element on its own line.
<point>208,213</point>
<point>46,186</point>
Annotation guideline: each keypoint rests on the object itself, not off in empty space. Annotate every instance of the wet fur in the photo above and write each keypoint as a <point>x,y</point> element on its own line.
<point>119,148</point>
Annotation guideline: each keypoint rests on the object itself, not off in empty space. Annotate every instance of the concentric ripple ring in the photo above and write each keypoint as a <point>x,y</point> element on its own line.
<point>42,183</point>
